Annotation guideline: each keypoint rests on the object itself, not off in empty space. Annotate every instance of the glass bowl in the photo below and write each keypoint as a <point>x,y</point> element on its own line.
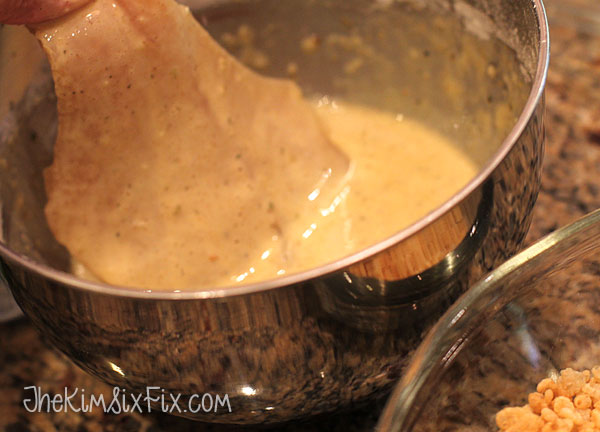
<point>535,315</point>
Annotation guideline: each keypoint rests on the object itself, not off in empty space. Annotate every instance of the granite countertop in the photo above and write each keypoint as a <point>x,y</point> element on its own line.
<point>570,188</point>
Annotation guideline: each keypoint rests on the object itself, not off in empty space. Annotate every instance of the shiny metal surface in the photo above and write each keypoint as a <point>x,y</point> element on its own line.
<point>326,338</point>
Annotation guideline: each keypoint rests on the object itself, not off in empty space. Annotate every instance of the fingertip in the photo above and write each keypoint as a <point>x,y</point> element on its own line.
<point>14,12</point>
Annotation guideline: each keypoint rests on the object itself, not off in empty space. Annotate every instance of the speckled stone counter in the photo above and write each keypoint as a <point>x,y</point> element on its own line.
<point>570,188</point>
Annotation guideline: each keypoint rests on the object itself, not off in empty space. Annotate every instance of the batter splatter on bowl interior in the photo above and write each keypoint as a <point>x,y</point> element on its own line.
<point>174,172</point>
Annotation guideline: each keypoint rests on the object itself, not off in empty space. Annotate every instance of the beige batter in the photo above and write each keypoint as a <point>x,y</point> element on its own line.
<point>177,168</point>
<point>401,171</point>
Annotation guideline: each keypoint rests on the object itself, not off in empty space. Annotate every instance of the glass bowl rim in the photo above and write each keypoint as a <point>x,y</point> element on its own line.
<point>438,349</point>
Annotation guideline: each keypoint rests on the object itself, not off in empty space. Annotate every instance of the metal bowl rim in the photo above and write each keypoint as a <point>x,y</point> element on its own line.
<point>533,100</point>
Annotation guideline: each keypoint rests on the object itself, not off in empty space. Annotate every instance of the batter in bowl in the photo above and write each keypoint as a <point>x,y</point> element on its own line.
<point>177,168</point>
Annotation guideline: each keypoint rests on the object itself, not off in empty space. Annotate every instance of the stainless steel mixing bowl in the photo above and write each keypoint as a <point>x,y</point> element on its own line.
<point>323,339</point>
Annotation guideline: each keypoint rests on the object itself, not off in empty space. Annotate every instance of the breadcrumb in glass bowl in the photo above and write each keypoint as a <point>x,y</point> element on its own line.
<point>503,343</point>
<point>569,402</point>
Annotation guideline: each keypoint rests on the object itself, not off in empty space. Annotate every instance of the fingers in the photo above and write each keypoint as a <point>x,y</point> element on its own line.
<point>35,11</point>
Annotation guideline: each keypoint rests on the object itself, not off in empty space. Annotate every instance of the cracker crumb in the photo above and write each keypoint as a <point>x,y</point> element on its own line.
<point>571,403</point>
<point>353,65</point>
<point>310,43</point>
<point>243,43</point>
<point>292,69</point>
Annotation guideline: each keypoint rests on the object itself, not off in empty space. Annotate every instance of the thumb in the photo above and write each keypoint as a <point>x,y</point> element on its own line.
<point>35,11</point>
